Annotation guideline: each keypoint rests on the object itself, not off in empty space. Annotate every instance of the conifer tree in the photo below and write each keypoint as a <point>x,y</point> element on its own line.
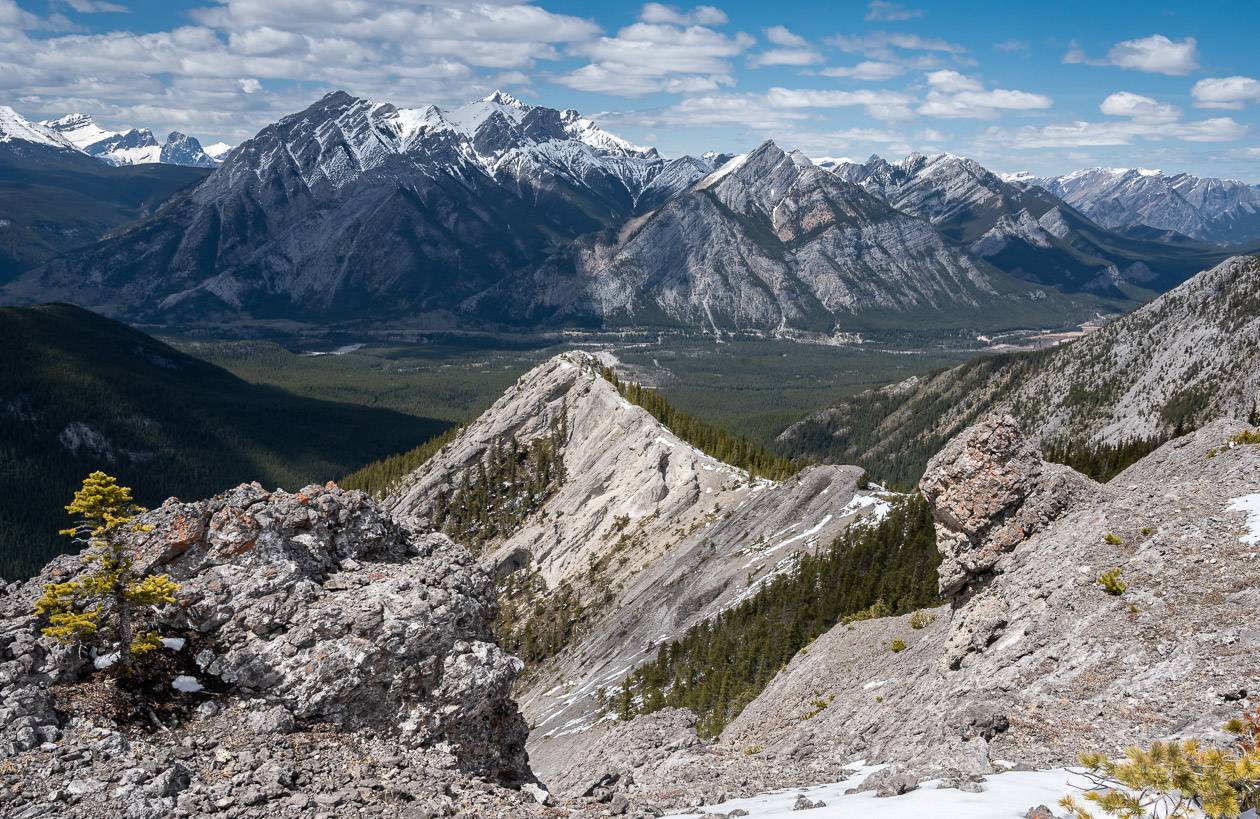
<point>107,604</point>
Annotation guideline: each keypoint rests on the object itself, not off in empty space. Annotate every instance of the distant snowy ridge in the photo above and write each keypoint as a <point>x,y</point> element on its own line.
<point>136,146</point>
<point>15,127</point>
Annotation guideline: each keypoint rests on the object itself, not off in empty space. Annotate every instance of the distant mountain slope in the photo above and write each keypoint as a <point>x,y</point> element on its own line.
<point>1221,211</point>
<point>80,392</point>
<point>1190,356</point>
<point>771,242</point>
<point>1023,229</point>
<point>358,209</point>
<point>54,199</point>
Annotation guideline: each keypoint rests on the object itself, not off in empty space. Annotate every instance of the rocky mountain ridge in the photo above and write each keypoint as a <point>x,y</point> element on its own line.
<point>644,535</point>
<point>1221,211</point>
<point>1023,229</point>
<point>770,242</point>
<point>1184,359</point>
<point>1031,662</point>
<point>135,146</point>
<point>354,207</point>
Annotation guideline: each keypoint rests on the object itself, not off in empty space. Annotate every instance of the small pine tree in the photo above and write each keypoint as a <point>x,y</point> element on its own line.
<point>1172,780</point>
<point>107,604</point>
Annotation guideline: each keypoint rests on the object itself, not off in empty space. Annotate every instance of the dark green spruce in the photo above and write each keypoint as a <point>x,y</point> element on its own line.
<point>735,450</point>
<point>720,665</point>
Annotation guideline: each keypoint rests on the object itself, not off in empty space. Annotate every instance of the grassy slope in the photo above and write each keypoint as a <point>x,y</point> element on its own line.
<point>175,425</point>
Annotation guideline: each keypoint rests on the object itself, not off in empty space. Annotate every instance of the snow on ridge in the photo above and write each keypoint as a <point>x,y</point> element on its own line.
<point>14,126</point>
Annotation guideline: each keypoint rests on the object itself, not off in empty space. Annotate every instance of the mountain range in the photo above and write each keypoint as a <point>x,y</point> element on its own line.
<point>501,215</point>
<point>135,146</point>
<point>1221,211</point>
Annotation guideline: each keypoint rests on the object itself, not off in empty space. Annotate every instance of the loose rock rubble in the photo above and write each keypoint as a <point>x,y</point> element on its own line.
<point>339,665</point>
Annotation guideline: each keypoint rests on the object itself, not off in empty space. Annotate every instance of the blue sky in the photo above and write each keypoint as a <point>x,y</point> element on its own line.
<point>1045,87</point>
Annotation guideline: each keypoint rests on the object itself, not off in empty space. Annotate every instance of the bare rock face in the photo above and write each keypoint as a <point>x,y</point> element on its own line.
<point>300,612</point>
<point>990,490</point>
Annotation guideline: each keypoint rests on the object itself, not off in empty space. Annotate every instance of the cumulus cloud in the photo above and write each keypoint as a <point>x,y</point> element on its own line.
<point>778,109</point>
<point>881,44</point>
<point>953,95</point>
<point>1135,106</point>
<point>96,7</point>
<point>890,12</point>
<point>648,57</point>
<point>1156,54</point>
<point>671,15</point>
<point>1137,119</point>
<point>794,49</point>
<point>287,51</point>
<point>1225,92</point>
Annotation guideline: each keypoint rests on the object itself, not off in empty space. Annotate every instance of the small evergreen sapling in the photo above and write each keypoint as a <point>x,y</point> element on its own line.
<point>1175,780</point>
<point>108,604</point>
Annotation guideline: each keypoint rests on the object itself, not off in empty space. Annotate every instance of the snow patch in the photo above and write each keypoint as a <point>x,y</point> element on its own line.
<point>1251,505</point>
<point>1005,795</point>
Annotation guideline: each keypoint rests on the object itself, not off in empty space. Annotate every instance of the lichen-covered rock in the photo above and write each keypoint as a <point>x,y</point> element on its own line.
<point>302,611</point>
<point>990,490</point>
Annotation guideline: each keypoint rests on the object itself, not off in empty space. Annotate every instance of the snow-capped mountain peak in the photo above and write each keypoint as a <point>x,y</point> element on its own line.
<point>79,129</point>
<point>500,97</point>
<point>14,126</point>
<point>217,151</point>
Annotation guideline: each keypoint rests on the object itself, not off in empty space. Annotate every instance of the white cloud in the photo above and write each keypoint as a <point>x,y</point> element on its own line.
<point>1225,92</point>
<point>1135,106</point>
<point>96,7</point>
<point>288,51</point>
<point>648,57</point>
<point>956,96</point>
<point>952,82</point>
<point>880,44</point>
<point>1127,132</point>
<point>1156,54</point>
<point>884,10</point>
<point>794,50</point>
<point>872,70</point>
<point>671,15</point>
<point>781,36</point>
<point>883,105</point>
<point>1138,118</point>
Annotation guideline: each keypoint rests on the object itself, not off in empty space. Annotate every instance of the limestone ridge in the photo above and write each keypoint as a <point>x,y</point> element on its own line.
<point>1033,661</point>
<point>650,534</point>
<point>1190,356</point>
<point>301,612</point>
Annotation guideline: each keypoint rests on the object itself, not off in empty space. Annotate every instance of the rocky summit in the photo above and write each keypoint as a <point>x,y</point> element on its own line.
<point>320,658</point>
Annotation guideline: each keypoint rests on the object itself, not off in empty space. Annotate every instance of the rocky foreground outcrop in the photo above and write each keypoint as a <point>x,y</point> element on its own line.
<point>1031,660</point>
<point>321,658</point>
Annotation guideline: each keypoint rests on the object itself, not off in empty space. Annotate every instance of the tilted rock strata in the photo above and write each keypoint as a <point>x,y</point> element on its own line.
<point>1040,663</point>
